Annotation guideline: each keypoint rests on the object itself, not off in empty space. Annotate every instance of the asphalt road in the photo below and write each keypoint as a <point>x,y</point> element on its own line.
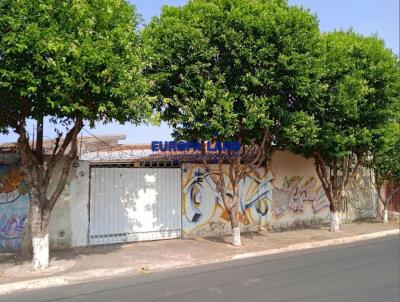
<point>364,271</point>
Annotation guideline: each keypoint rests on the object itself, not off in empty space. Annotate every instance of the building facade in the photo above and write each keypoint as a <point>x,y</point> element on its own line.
<point>111,199</point>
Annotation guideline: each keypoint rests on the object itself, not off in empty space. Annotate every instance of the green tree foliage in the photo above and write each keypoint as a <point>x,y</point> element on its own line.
<point>70,58</point>
<point>73,62</point>
<point>341,127</point>
<point>227,70</point>
<point>385,162</point>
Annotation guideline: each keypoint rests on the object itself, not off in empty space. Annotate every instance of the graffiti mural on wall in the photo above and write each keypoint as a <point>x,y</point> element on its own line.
<point>14,204</point>
<point>360,200</point>
<point>203,209</point>
<point>300,198</point>
<point>295,192</point>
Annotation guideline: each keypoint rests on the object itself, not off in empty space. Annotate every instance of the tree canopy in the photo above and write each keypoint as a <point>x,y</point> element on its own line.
<point>341,127</point>
<point>70,58</point>
<point>385,159</point>
<point>219,66</point>
<point>361,89</point>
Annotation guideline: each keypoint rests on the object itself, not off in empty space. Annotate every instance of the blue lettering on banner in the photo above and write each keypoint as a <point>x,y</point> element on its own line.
<point>155,147</point>
<point>232,146</point>
<point>181,146</point>
<point>172,146</point>
<point>159,146</point>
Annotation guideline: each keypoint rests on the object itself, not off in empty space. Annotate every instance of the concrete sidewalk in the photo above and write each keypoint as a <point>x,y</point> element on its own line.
<point>86,264</point>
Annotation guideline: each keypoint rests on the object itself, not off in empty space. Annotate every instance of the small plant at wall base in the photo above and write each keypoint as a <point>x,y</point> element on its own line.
<point>71,62</point>
<point>223,70</point>
<point>341,128</point>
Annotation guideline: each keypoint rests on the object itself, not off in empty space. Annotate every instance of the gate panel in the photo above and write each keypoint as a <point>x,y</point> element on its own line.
<point>134,204</point>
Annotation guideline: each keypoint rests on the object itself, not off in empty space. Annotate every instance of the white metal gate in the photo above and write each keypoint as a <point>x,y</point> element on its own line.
<point>134,204</point>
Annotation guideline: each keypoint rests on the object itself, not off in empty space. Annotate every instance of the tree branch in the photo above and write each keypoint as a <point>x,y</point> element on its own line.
<point>209,168</point>
<point>392,194</point>
<point>69,159</point>
<point>260,156</point>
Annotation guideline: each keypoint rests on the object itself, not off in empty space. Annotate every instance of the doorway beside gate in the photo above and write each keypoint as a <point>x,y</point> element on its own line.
<point>134,204</point>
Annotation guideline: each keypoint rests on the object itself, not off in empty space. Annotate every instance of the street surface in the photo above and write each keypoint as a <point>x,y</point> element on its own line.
<point>367,271</point>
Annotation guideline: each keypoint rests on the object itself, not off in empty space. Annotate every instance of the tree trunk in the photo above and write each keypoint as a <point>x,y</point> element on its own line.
<point>334,218</point>
<point>261,224</point>
<point>39,174</point>
<point>381,200</point>
<point>233,213</point>
<point>385,214</point>
<point>335,178</point>
<point>26,241</point>
<point>235,226</point>
<point>40,236</point>
<point>335,221</point>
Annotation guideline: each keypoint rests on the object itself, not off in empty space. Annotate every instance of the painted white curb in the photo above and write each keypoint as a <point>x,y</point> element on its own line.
<point>323,243</point>
<point>80,277</point>
<point>86,276</point>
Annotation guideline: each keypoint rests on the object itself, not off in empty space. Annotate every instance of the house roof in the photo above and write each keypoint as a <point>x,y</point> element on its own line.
<point>190,156</point>
<point>85,143</point>
<point>8,147</point>
<point>107,149</point>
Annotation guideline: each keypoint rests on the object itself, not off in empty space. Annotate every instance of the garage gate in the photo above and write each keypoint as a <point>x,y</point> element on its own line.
<point>134,204</point>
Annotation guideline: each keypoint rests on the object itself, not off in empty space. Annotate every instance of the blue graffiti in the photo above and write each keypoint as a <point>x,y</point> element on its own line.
<point>14,205</point>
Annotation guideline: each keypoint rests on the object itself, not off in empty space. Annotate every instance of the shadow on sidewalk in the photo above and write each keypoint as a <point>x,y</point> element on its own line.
<point>11,259</point>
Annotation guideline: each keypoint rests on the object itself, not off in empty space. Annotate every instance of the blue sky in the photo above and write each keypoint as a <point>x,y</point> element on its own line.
<point>367,17</point>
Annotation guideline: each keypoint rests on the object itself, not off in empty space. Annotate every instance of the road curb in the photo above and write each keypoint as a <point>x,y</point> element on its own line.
<point>98,274</point>
<point>81,277</point>
<point>317,244</point>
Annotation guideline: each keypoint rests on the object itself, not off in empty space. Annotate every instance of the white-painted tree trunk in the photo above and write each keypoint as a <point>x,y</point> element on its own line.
<point>335,221</point>
<point>261,224</point>
<point>385,217</point>
<point>236,237</point>
<point>40,252</point>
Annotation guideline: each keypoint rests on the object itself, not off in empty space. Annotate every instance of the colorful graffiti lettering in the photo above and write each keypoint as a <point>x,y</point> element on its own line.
<point>203,209</point>
<point>14,204</point>
<point>360,199</point>
<point>217,226</point>
<point>259,200</point>
<point>12,227</point>
<point>295,192</point>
